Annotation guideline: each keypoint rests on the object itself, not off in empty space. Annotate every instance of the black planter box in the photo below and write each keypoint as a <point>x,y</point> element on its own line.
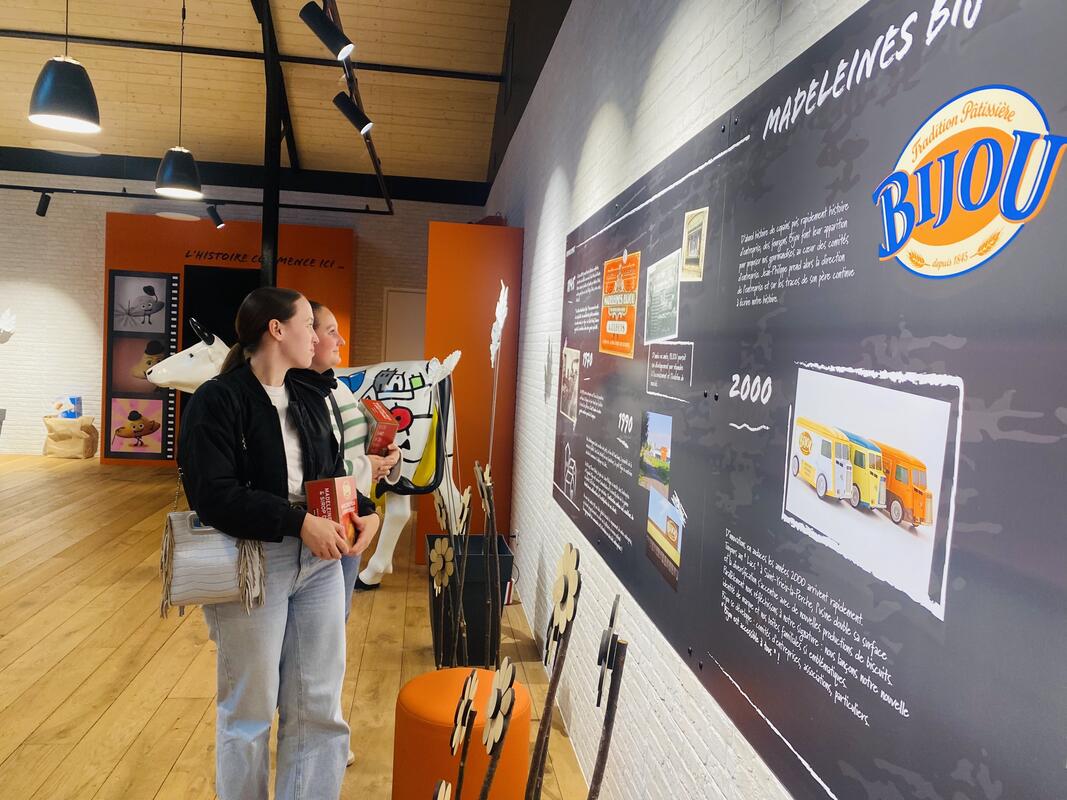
<point>474,601</point>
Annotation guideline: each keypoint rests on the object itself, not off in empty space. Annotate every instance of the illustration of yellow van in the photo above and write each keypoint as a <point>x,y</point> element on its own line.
<point>868,479</point>
<point>821,457</point>
<point>909,500</point>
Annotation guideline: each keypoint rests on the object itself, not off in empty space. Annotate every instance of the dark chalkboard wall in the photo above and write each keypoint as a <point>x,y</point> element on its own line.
<point>886,622</point>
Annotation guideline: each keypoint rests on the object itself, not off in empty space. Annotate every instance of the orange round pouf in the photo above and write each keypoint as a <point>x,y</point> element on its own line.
<point>422,753</point>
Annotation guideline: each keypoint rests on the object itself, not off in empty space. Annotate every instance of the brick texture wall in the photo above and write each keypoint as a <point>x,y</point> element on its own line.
<point>626,83</point>
<point>52,277</point>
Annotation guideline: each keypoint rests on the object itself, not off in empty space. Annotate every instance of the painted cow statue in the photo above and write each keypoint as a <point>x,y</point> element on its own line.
<point>419,394</point>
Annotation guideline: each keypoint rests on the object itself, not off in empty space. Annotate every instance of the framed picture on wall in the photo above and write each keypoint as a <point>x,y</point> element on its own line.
<point>139,303</point>
<point>139,417</point>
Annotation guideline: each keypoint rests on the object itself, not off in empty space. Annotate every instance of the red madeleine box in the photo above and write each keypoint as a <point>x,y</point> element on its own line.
<point>336,499</point>
<point>382,426</point>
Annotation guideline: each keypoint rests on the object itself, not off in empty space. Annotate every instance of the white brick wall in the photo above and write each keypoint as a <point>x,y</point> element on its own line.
<point>52,276</point>
<point>627,82</point>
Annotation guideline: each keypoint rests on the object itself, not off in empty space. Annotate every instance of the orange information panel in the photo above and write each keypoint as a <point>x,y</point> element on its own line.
<point>618,308</point>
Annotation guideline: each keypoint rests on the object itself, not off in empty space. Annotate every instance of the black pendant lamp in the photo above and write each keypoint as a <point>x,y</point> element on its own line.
<point>63,98</point>
<point>178,176</point>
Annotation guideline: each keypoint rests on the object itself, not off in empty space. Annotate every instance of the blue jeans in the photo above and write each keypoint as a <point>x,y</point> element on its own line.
<point>350,569</point>
<point>289,655</point>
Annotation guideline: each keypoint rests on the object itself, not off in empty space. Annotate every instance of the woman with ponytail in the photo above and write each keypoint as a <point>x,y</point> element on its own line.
<point>250,439</point>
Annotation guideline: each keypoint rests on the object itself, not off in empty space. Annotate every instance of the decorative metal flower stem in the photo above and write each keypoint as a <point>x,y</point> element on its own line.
<point>440,659</point>
<point>609,721</point>
<point>491,772</point>
<point>540,754</point>
<point>459,628</point>
<point>463,754</point>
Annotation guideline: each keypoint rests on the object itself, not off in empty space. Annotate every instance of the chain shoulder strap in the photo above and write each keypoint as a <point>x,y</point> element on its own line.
<point>178,489</point>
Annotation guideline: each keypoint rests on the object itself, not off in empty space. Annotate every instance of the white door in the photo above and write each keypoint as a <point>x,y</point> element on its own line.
<point>405,325</point>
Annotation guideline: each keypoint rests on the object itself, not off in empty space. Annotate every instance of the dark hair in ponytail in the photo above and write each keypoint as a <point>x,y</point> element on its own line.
<point>258,308</point>
<point>316,310</point>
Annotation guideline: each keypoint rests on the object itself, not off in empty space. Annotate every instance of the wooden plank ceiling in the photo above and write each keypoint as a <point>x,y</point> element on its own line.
<point>424,126</point>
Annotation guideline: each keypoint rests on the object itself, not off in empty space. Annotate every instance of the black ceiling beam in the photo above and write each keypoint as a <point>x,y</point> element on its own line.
<point>250,176</point>
<point>330,6</point>
<point>272,62</point>
<point>221,52</point>
<point>206,201</point>
<point>272,146</point>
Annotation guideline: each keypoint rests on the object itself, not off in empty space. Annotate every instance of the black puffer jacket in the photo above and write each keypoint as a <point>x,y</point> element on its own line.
<point>232,457</point>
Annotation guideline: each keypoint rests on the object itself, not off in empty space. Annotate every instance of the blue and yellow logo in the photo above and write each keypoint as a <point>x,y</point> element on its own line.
<point>973,174</point>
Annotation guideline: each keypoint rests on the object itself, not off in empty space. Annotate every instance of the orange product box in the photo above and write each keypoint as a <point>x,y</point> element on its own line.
<point>382,426</point>
<point>336,499</point>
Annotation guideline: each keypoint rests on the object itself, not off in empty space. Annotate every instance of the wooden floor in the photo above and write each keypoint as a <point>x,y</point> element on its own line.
<point>100,698</point>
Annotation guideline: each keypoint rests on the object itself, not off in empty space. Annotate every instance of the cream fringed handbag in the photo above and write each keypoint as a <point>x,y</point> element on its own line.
<point>201,565</point>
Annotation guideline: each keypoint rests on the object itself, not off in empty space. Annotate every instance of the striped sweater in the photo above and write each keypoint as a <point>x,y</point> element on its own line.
<point>355,437</point>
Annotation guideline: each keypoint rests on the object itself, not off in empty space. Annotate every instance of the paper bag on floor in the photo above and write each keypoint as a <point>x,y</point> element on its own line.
<point>70,438</point>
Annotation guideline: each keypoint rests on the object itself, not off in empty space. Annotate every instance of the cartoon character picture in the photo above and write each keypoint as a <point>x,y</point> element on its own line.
<point>138,303</point>
<point>153,354</point>
<point>147,304</point>
<point>137,427</point>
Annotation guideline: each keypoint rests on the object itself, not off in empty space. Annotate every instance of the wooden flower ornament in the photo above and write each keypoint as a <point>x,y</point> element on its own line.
<point>498,708</point>
<point>442,564</point>
<point>565,592</point>
<point>609,642</point>
<point>464,711</point>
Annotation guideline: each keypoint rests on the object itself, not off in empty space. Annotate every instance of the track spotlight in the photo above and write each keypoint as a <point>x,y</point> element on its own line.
<point>216,217</point>
<point>42,204</point>
<point>329,34</point>
<point>353,112</point>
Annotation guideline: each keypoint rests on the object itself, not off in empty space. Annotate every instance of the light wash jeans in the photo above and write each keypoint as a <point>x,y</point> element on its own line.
<point>287,654</point>
<point>350,569</point>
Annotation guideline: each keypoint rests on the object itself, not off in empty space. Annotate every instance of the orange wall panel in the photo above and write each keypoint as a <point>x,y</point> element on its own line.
<point>465,266</point>
<point>318,262</point>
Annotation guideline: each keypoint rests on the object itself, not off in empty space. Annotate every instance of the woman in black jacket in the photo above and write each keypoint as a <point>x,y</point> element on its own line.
<point>250,439</point>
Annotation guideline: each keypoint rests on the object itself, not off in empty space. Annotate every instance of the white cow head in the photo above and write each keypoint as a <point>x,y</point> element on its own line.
<point>195,365</point>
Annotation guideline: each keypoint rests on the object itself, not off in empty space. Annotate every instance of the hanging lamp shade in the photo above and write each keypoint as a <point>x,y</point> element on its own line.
<point>178,175</point>
<point>63,98</point>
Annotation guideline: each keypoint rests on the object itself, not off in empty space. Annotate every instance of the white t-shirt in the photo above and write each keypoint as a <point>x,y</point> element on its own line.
<point>294,456</point>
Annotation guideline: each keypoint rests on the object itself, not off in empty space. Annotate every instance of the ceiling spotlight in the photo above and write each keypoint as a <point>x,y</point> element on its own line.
<point>42,204</point>
<point>329,34</point>
<point>213,212</point>
<point>353,112</point>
